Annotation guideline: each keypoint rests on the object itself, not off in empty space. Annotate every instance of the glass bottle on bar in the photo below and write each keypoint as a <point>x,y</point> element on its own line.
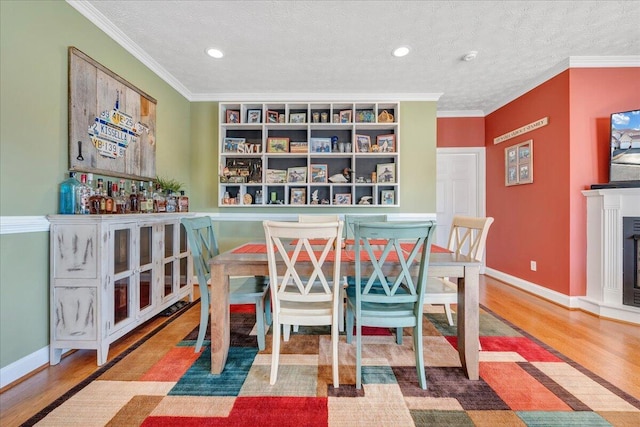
<point>133,199</point>
<point>67,194</point>
<point>183,202</point>
<point>121,199</point>
<point>97,200</point>
<point>108,198</point>
<point>172,202</point>
<point>159,201</point>
<point>83,193</point>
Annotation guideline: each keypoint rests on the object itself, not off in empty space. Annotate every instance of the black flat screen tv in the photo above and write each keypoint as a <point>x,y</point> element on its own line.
<point>624,165</point>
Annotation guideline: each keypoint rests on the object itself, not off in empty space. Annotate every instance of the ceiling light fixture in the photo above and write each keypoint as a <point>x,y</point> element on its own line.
<point>401,51</point>
<point>214,53</point>
<point>470,56</point>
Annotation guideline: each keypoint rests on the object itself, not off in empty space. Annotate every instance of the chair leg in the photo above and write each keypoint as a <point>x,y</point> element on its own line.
<point>267,308</point>
<point>335,338</point>
<point>275,352</point>
<point>260,323</point>
<point>447,310</point>
<point>341,309</point>
<point>399,336</point>
<point>350,317</point>
<point>286,332</point>
<point>418,349</point>
<point>204,316</point>
<point>358,356</point>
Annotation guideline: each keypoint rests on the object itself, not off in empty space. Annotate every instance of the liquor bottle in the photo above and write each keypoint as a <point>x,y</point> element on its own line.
<point>133,199</point>
<point>183,202</point>
<point>97,200</point>
<point>110,205</point>
<point>172,202</point>
<point>121,200</point>
<point>67,194</point>
<point>142,199</point>
<point>83,193</point>
<point>159,202</point>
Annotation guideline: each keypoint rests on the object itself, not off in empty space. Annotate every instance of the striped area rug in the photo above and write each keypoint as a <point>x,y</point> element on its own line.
<point>523,383</point>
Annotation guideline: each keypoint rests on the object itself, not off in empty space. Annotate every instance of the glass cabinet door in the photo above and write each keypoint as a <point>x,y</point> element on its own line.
<point>169,260</point>
<point>183,255</point>
<point>122,276</point>
<point>145,281</point>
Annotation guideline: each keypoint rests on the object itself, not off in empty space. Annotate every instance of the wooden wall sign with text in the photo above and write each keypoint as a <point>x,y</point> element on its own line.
<point>524,129</point>
<point>112,124</point>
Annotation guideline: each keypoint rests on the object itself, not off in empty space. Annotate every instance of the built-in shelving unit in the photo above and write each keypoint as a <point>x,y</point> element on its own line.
<point>309,154</point>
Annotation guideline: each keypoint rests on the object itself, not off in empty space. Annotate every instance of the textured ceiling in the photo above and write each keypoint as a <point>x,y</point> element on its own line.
<point>342,49</point>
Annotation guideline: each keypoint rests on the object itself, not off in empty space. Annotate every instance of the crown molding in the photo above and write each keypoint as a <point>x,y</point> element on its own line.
<point>460,113</point>
<point>570,62</point>
<point>87,10</point>
<point>321,97</point>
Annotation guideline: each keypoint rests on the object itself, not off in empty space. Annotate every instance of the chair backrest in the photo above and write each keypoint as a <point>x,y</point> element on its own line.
<point>288,244</point>
<point>407,243</point>
<point>350,220</point>
<point>318,218</point>
<point>468,235</point>
<point>202,243</point>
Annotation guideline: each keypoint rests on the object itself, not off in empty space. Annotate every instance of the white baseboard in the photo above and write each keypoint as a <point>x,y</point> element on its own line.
<point>615,312</point>
<point>24,366</point>
<point>541,291</point>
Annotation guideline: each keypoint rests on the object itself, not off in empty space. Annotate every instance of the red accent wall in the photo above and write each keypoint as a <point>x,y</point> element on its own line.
<point>546,221</point>
<point>460,132</point>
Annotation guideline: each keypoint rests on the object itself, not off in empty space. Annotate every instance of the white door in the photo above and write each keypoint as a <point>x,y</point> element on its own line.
<point>460,187</point>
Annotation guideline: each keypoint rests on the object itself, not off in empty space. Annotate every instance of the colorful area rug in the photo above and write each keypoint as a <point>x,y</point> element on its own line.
<point>523,383</point>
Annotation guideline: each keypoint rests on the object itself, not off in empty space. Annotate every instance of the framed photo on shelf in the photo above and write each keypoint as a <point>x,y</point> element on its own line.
<point>297,117</point>
<point>277,145</point>
<point>272,116</point>
<point>518,164</point>
<point>297,174</point>
<point>365,116</point>
<point>363,143</point>
<point>342,199</point>
<point>319,145</point>
<point>386,172</point>
<point>318,173</point>
<point>386,143</point>
<point>234,145</point>
<point>254,116</point>
<point>387,197</point>
<point>298,147</point>
<point>233,116</point>
<point>298,196</point>
<point>345,116</point>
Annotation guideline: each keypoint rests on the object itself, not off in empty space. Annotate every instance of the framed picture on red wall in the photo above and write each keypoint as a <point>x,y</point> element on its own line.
<point>518,164</point>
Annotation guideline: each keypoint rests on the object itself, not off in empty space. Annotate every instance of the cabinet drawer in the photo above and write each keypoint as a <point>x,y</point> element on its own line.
<point>74,313</point>
<point>75,251</point>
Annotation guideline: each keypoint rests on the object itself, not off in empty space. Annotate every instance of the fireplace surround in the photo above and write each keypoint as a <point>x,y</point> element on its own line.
<point>607,209</point>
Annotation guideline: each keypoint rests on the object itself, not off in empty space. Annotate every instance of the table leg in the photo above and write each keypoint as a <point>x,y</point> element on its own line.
<point>469,321</point>
<point>220,319</point>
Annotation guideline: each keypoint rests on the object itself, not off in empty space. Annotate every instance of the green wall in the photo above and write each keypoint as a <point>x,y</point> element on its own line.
<point>34,39</point>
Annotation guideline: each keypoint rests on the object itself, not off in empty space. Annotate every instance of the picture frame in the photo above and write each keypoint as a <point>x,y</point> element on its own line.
<point>365,116</point>
<point>272,116</point>
<point>234,145</point>
<point>297,174</point>
<point>518,164</point>
<point>386,143</point>
<point>254,116</point>
<point>342,199</point>
<point>345,116</point>
<point>297,117</point>
<point>363,143</point>
<point>387,197</point>
<point>276,176</point>
<point>318,173</point>
<point>386,173</point>
<point>233,116</point>
<point>277,145</point>
<point>319,145</point>
<point>298,196</point>
<point>298,146</point>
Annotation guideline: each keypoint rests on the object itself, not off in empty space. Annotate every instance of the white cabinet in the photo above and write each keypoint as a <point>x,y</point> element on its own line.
<point>282,154</point>
<point>111,273</point>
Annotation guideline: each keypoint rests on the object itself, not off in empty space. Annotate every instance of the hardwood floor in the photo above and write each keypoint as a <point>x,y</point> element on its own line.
<point>608,348</point>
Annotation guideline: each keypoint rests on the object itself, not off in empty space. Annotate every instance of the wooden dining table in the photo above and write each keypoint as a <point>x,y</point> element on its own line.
<point>250,259</point>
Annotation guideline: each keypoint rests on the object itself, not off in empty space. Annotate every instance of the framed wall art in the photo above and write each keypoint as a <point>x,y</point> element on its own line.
<point>518,164</point>
<point>254,116</point>
<point>277,145</point>
<point>112,123</point>
<point>318,173</point>
<point>386,172</point>
<point>298,196</point>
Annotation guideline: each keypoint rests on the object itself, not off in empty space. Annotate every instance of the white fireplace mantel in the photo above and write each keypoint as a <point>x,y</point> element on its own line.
<point>605,210</point>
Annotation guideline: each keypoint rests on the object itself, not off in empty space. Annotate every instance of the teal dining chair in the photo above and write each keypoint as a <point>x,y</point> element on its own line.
<point>393,299</point>
<point>242,290</point>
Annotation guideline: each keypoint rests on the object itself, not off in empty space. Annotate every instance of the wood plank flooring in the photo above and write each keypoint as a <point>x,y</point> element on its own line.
<point>608,348</point>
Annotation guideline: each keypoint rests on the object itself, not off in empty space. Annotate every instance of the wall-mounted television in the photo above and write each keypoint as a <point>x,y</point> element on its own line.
<point>624,163</point>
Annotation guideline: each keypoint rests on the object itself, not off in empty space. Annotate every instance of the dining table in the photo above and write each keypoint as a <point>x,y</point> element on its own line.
<point>250,259</point>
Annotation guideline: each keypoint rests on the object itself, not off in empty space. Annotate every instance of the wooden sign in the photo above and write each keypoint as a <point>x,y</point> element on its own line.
<point>112,124</point>
<point>524,129</point>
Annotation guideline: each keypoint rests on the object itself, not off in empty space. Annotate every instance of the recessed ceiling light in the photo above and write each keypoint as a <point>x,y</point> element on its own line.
<point>401,51</point>
<point>470,56</point>
<point>214,53</point>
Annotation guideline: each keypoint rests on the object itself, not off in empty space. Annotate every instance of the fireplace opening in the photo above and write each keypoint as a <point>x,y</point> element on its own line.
<point>631,261</point>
